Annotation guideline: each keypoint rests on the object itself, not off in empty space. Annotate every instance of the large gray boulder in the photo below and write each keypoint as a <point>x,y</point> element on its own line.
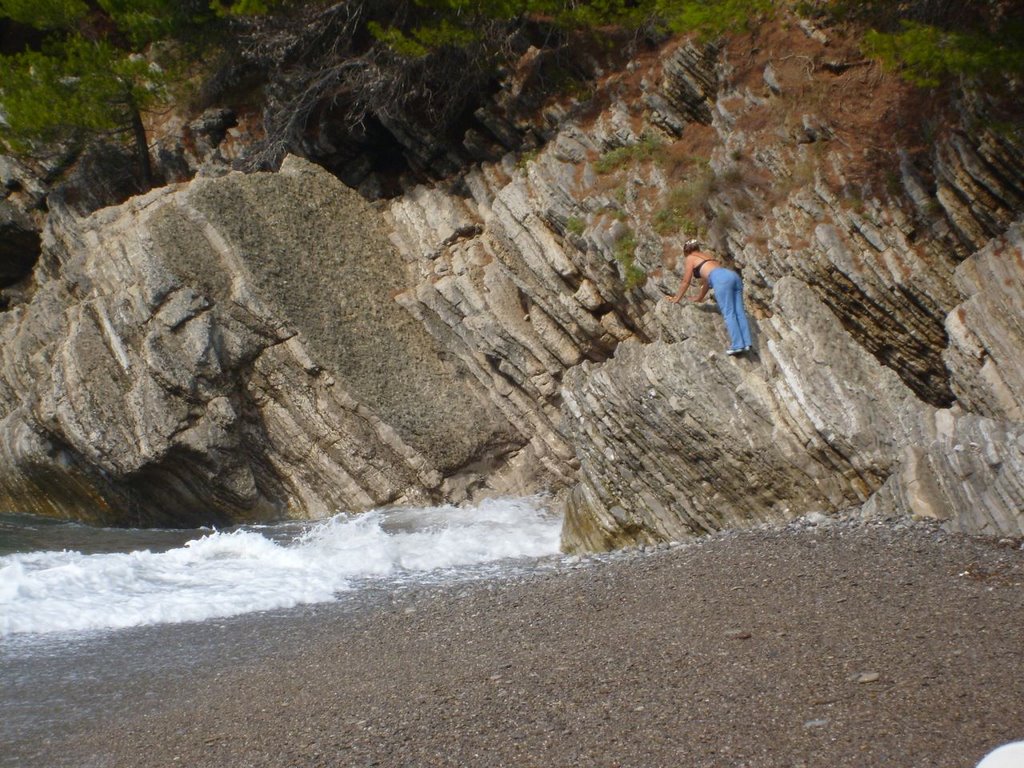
<point>227,350</point>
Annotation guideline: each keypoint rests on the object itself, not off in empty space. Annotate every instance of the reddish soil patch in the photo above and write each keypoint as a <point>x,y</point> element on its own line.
<point>866,107</point>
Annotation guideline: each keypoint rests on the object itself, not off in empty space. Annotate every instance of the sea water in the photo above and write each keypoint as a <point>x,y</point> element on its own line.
<point>111,579</point>
<point>92,617</point>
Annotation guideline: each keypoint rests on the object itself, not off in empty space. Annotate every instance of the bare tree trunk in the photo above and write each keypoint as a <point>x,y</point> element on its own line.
<point>141,148</point>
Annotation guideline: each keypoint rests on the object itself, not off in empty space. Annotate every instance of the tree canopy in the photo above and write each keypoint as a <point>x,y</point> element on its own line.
<point>70,69</point>
<point>929,41</point>
<point>436,23</point>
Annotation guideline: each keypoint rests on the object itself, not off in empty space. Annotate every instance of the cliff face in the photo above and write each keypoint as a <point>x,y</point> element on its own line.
<point>229,350</point>
<point>252,346</point>
<point>883,274</point>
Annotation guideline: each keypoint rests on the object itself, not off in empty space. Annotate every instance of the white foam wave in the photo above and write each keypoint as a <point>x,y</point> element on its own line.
<point>226,574</point>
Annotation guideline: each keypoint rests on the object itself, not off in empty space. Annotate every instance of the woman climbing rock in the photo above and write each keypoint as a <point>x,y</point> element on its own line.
<point>728,293</point>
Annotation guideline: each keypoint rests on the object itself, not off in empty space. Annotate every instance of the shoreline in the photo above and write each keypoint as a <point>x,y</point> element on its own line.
<point>847,643</point>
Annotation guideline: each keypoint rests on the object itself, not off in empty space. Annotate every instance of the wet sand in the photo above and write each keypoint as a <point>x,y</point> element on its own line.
<point>845,644</point>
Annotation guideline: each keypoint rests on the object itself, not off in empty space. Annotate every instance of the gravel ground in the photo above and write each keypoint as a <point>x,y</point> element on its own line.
<point>842,644</point>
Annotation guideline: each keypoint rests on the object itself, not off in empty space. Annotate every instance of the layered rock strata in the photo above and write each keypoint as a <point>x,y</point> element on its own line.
<point>870,312</point>
<point>175,365</point>
<point>986,330</point>
<point>230,350</point>
<point>810,422</point>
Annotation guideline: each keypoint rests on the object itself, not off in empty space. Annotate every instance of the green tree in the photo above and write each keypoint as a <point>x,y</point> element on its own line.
<point>457,22</point>
<point>710,18</point>
<point>97,68</point>
<point>927,55</point>
<point>931,43</point>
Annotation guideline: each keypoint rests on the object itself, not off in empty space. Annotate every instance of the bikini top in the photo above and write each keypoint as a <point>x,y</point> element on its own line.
<point>697,269</point>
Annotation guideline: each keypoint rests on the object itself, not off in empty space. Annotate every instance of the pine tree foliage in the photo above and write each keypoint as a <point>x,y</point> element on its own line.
<point>928,55</point>
<point>78,85</point>
<point>95,71</point>
<point>931,42</point>
<point>93,67</point>
<point>437,23</point>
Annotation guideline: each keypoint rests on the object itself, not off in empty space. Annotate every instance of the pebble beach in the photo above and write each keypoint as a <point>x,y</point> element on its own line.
<point>842,643</point>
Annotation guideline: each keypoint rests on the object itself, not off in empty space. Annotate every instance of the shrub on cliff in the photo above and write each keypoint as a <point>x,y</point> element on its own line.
<point>928,55</point>
<point>931,42</point>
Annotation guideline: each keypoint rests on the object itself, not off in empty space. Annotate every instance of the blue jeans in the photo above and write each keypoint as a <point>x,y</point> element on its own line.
<point>729,295</point>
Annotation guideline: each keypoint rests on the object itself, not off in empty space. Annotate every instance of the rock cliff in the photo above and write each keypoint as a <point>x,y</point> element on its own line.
<point>257,346</point>
<point>229,350</point>
<point>884,277</point>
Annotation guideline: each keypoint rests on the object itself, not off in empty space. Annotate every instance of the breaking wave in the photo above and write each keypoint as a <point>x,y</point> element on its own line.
<point>259,568</point>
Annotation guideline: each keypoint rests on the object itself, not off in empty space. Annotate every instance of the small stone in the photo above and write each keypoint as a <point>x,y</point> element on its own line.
<point>868,677</point>
<point>737,634</point>
<point>813,32</point>
<point>820,723</point>
<point>771,79</point>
